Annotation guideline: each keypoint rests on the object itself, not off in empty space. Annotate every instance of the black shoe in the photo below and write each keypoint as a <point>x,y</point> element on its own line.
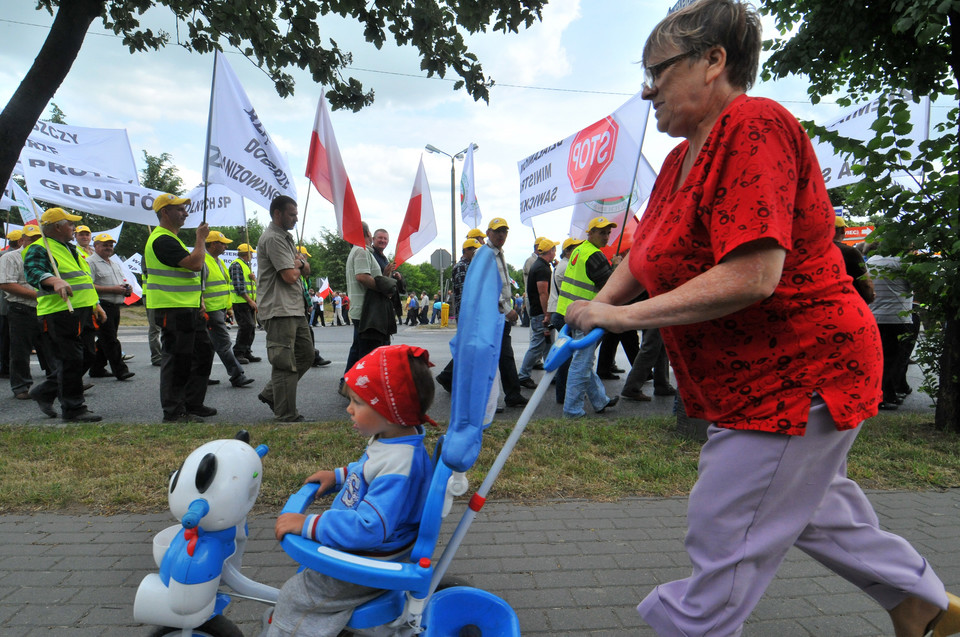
<point>129,357</point>
<point>321,362</point>
<point>297,418</point>
<point>155,364</point>
<point>617,370</point>
<point>201,410</point>
<point>635,394</point>
<point>516,401</point>
<point>87,386</point>
<point>46,406</point>
<point>444,382</point>
<point>241,381</point>
<point>100,373</point>
<point>243,360</point>
<point>664,391</point>
<point>608,376</point>
<point>84,415</point>
<point>212,381</point>
<point>528,383</point>
<point>181,417</point>
<point>266,401</point>
<point>613,403</point>
<point>538,366</point>
<point>253,359</point>
<point>126,375</point>
<point>888,406</point>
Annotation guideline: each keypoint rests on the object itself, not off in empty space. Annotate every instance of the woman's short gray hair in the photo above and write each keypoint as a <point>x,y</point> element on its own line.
<point>704,24</point>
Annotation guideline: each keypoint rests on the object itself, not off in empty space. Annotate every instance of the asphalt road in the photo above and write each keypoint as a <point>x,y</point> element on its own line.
<point>138,400</point>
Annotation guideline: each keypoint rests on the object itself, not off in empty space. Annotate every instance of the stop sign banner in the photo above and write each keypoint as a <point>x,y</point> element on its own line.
<point>597,162</point>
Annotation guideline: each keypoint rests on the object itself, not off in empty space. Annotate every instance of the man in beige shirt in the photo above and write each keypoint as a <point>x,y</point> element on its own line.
<point>281,306</point>
<point>112,287</point>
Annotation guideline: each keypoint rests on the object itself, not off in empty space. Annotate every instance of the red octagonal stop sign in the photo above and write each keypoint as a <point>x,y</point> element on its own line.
<point>591,153</point>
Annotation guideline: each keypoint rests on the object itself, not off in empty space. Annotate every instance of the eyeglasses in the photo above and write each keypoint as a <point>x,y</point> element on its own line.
<point>652,73</point>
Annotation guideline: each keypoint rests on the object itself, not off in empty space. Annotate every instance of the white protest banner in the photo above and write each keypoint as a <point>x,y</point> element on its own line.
<point>856,123</point>
<point>240,153</point>
<point>595,163</point>
<point>21,200</point>
<point>613,207</point>
<point>224,207</point>
<point>135,263</point>
<point>107,149</point>
<point>88,190</point>
<point>469,206</point>
<point>229,256</point>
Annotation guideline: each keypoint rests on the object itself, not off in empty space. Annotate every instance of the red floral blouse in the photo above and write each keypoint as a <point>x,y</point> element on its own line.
<point>757,177</point>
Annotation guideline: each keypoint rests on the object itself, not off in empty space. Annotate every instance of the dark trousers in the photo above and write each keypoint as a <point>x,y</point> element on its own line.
<point>187,357</point>
<point>23,323</point>
<point>607,354</point>
<point>67,342</point>
<point>4,344</point>
<point>893,354</point>
<point>651,362</point>
<point>411,316</point>
<point>363,344</point>
<point>109,349</point>
<point>509,379</point>
<point>220,341</point>
<point>246,329</point>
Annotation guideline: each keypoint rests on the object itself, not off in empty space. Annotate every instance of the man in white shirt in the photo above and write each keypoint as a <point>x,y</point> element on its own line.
<point>112,287</point>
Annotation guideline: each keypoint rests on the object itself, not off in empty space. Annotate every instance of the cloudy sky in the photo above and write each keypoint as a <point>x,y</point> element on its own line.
<point>570,70</point>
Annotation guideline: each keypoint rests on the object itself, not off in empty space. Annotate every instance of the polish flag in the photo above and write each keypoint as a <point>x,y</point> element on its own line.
<point>419,224</point>
<point>326,171</point>
<point>324,290</point>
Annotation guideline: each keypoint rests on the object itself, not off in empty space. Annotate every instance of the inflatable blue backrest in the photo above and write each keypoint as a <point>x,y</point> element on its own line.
<point>476,353</point>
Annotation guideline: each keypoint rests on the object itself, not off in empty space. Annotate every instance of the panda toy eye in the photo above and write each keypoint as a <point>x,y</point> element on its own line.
<point>175,476</point>
<point>206,472</point>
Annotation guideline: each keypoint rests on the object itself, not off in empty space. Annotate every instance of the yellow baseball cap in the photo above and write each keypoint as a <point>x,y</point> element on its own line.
<point>476,233</point>
<point>545,245</point>
<point>216,235</point>
<point>471,243</point>
<point>103,237</point>
<point>571,242</point>
<point>31,230</point>
<point>245,247</point>
<point>498,222</point>
<point>839,222</point>
<point>168,200</point>
<point>80,229</point>
<point>14,235</point>
<point>57,214</point>
<point>303,250</point>
<point>600,222</point>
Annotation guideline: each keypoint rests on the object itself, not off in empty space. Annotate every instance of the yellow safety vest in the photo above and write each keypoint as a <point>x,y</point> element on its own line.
<point>166,286</point>
<point>74,271</point>
<point>576,285</point>
<point>216,292</point>
<point>249,284</point>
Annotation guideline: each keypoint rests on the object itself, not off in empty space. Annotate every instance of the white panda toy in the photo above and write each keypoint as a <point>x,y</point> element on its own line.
<point>211,494</point>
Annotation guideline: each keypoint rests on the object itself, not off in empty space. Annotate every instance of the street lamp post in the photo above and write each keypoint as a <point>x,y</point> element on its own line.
<point>453,194</point>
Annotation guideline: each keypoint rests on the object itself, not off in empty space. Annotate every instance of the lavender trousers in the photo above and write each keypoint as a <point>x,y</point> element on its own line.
<point>757,495</point>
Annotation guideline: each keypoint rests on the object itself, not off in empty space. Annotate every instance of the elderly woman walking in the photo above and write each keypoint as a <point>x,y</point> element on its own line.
<point>768,337</point>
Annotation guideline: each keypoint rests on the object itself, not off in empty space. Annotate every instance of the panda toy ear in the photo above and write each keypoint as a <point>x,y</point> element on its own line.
<point>174,477</point>
<point>243,435</point>
<point>206,472</point>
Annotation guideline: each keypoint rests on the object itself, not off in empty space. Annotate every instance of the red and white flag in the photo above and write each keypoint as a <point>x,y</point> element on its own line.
<point>419,224</point>
<point>326,171</point>
<point>324,290</point>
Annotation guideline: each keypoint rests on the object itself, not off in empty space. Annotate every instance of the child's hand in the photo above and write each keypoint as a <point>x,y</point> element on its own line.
<point>326,479</point>
<point>289,523</point>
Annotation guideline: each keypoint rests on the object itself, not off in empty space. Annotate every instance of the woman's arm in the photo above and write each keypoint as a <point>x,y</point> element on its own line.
<point>748,274</point>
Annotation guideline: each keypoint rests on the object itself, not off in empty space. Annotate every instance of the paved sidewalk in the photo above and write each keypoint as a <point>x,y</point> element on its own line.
<point>567,567</point>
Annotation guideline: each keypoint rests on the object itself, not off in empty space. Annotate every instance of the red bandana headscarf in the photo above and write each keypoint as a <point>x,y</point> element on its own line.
<point>382,379</point>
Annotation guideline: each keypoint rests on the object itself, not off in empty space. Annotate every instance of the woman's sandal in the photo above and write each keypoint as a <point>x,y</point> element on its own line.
<point>948,621</point>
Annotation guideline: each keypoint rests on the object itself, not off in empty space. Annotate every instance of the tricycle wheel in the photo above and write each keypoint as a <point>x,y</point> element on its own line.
<point>216,626</point>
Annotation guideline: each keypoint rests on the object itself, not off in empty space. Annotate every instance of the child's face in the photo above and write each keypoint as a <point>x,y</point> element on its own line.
<point>367,420</point>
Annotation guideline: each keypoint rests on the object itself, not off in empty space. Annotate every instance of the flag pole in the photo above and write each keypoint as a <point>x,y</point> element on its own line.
<point>206,152</point>
<point>303,222</point>
<point>46,246</point>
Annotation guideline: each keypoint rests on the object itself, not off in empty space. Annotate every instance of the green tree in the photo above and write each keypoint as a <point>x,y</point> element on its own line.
<point>57,116</point>
<point>277,35</point>
<point>160,174</point>
<point>902,50</point>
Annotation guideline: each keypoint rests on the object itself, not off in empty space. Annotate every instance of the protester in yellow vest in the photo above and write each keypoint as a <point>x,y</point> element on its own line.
<point>173,293</point>
<point>216,303</point>
<point>244,299</point>
<point>587,271</point>
<point>67,305</point>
